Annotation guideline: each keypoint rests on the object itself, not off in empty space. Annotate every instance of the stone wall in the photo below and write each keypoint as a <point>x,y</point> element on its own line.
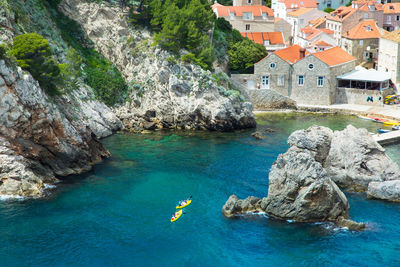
<point>284,27</point>
<point>255,25</point>
<point>359,96</point>
<point>357,50</point>
<point>310,92</point>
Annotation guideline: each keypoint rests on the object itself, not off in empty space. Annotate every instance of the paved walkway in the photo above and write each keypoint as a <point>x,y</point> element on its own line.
<point>387,111</point>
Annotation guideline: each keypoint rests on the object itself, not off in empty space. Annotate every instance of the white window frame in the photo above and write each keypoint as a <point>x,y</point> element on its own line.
<point>247,27</point>
<point>322,81</point>
<point>265,82</point>
<point>272,65</point>
<point>300,79</point>
<point>361,42</point>
<point>281,80</point>
<point>310,66</point>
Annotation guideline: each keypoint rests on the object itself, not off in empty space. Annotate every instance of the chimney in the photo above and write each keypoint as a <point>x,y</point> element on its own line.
<point>302,53</point>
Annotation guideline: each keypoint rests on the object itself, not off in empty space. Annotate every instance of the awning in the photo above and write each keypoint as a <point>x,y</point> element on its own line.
<point>366,76</point>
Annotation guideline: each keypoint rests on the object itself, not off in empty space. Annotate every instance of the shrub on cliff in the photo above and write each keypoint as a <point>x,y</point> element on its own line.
<point>33,54</point>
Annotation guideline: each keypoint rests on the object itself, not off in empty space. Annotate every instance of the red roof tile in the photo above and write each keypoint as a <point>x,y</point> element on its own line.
<point>299,3</point>
<point>334,56</point>
<point>223,11</point>
<point>366,29</point>
<point>290,54</point>
<point>260,37</point>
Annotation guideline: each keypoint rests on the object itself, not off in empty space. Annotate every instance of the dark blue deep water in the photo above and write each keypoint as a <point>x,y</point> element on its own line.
<point>118,214</point>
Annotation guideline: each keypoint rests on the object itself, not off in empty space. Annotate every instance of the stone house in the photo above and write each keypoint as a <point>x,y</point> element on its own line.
<point>346,17</point>
<point>247,3</point>
<point>300,19</point>
<point>284,27</point>
<point>362,42</point>
<point>273,72</point>
<point>314,78</point>
<point>248,18</point>
<point>271,40</point>
<point>304,77</point>
<point>391,16</point>
<point>389,55</point>
<point>315,40</point>
<point>282,7</point>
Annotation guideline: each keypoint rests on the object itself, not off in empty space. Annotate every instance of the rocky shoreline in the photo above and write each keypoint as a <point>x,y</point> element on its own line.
<point>304,182</point>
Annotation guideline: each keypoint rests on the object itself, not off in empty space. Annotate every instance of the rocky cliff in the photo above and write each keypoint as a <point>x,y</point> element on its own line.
<point>302,181</point>
<point>42,138</point>
<point>166,92</point>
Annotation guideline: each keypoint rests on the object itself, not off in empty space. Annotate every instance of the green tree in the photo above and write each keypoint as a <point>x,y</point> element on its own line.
<point>243,55</point>
<point>329,10</point>
<point>32,52</point>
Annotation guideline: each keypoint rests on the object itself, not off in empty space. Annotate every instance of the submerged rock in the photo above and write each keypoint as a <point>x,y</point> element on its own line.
<point>258,135</point>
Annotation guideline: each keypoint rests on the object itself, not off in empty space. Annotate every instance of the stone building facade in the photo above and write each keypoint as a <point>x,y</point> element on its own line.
<point>389,55</point>
<point>305,78</point>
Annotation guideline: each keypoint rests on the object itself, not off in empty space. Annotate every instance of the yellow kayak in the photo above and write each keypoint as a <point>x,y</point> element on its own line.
<point>176,215</point>
<point>391,123</point>
<point>187,204</point>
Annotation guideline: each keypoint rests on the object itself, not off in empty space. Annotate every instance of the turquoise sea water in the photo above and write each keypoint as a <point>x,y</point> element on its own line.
<point>119,213</point>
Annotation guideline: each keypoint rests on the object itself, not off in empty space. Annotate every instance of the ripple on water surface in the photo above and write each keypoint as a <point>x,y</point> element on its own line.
<point>118,214</point>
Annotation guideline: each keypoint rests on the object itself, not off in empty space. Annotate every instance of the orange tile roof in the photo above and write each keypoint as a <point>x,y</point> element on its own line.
<point>334,56</point>
<point>277,19</point>
<point>299,12</point>
<point>223,11</point>
<point>260,37</point>
<point>299,3</point>
<point>322,43</point>
<point>341,13</point>
<point>393,36</point>
<point>312,32</point>
<point>290,54</point>
<point>391,8</point>
<point>317,22</point>
<point>366,29</point>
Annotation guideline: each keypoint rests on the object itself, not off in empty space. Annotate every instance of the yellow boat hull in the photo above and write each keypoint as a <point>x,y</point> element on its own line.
<point>179,214</point>
<point>391,123</point>
<point>187,204</point>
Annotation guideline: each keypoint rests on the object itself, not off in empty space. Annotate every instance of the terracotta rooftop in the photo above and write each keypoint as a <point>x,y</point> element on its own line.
<point>366,29</point>
<point>393,36</point>
<point>260,37</point>
<point>290,54</point>
<point>317,22</point>
<point>223,11</point>
<point>293,4</point>
<point>321,43</point>
<point>334,56</point>
<point>312,32</point>
<point>299,12</point>
<point>391,8</point>
<point>341,13</point>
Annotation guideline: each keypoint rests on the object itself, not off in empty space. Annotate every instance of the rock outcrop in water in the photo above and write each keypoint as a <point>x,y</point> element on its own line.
<point>167,93</point>
<point>302,181</point>
<point>355,159</point>
<point>41,139</point>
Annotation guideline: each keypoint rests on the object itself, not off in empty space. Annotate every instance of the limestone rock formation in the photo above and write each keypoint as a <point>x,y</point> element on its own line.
<point>355,159</point>
<point>166,92</point>
<point>266,99</point>
<point>388,190</point>
<point>302,181</point>
<point>300,189</point>
<point>42,139</point>
<point>234,206</point>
